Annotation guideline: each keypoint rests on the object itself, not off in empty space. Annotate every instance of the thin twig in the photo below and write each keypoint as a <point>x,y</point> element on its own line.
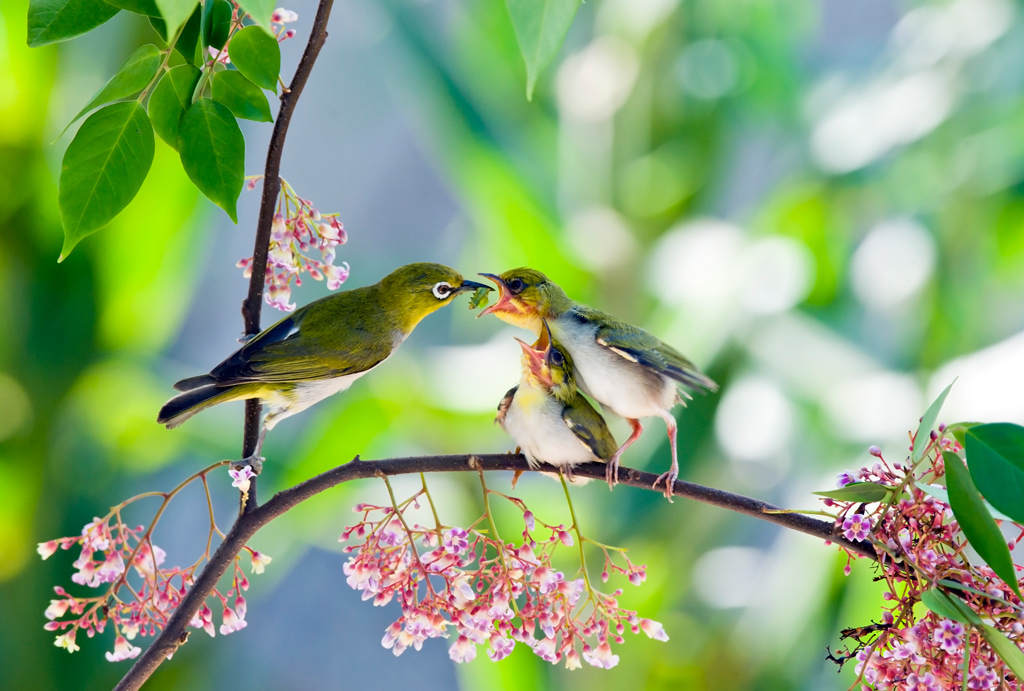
<point>246,526</point>
<point>253,303</point>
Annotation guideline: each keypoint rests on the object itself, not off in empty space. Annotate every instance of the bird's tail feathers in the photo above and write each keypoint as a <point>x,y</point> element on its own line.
<point>194,382</point>
<point>185,405</point>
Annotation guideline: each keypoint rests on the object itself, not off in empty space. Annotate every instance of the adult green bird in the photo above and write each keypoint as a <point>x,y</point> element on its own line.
<point>627,370</point>
<point>548,417</point>
<point>320,349</point>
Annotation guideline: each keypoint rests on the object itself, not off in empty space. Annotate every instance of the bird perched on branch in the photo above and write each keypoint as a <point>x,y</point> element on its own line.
<point>548,417</point>
<point>321,348</point>
<point>627,370</point>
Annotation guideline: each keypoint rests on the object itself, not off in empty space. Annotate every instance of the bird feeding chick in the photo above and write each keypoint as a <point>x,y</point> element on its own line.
<point>624,368</point>
<point>321,348</point>
<point>548,417</point>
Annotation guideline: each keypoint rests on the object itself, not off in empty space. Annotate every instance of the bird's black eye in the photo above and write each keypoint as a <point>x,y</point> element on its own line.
<point>442,290</point>
<point>556,357</point>
<point>516,286</point>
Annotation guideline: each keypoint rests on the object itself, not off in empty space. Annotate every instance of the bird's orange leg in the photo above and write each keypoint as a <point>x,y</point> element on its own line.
<point>611,472</point>
<point>673,473</point>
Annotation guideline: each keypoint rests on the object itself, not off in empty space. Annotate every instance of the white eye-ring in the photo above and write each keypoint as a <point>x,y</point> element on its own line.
<point>442,290</point>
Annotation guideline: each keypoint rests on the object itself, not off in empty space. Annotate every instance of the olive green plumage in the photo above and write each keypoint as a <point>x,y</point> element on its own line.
<point>321,348</point>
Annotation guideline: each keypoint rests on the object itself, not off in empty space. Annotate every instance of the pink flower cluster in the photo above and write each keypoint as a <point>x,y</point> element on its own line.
<point>279,18</point>
<point>920,545</point>
<point>136,601</point>
<point>484,591</point>
<point>298,230</point>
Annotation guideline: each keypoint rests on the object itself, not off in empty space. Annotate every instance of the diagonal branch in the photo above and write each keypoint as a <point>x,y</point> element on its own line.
<point>253,303</point>
<point>176,631</point>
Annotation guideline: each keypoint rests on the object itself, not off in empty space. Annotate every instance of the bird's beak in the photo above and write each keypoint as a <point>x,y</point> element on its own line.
<point>504,302</point>
<point>535,357</point>
<point>471,285</point>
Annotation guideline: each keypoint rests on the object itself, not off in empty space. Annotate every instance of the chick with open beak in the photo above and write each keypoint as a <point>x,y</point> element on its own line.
<point>548,417</point>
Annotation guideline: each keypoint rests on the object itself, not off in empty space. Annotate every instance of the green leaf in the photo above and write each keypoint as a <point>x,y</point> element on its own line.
<point>867,492</point>
<point>959,430</point>
<point>942,495</point>
<point>143,7</point>
<point>103,169</point>
<point>171,98</point>
<point>216,23</point>
<point>259,10</point>
<point>213,153</point>
<point>175,13</point>
<point>137,72</point>
<point>50,21</point>
<point>188,39</point>
<point>159,26</point>
<point>257,55</point>
<point>1006,649</point>
<point>243,98</point>
<point>540,27</point>
<point>979,527</point>
<point>995,453</point>
<point>946,607</point>
<point>924,430</point>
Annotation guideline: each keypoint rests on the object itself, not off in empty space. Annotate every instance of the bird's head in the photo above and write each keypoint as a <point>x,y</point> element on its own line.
<point>527,297</point>
<point>413,291</point>
<point>548,363</point>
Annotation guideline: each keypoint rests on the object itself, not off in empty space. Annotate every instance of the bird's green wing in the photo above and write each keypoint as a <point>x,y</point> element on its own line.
<point>588,425</point>
<point>331,337</point>
<point>637,345</point>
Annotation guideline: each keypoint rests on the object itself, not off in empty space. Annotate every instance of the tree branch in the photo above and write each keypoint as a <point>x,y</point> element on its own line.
<point>176,631</point>
<point>253,303</point>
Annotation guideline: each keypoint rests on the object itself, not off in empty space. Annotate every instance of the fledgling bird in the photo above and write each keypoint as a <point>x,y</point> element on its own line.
<point>321,348</point>
<point>624,368</point>
<point>547,416</point>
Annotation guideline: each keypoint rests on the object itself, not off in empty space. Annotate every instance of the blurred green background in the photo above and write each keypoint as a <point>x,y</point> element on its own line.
<point>822,203</point>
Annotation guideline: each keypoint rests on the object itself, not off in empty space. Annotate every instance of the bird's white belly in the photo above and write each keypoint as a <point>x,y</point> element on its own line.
<point>534,419</point>
<point>626,388</point>
<point>306,394</point>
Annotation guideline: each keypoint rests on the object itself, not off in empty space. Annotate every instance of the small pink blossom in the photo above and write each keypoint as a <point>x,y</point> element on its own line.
<point>219,55</point>
<point>982,678</point>
<point>283,16</point>
<point>203,619</point>
<point>240,477</point>
<point>456,541</point>
<point>67,641</point>
<point>123,650</point>
<point>949,635</point>
<point>463,650</point>
<point>856,527</point>
<point>601,656</point>
<point>260,561</point>
<point>653,629</point>
<point>923,682</point>
<point>234,619</point>
<point>500,648</point>
<point>47,549</point>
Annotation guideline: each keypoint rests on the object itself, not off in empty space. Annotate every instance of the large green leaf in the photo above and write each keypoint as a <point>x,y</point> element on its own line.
<point>924,430</point>
<point>243,98</point>
<point>979,527</point>
<point>213,153</point>
<point>945,606</point>
<point>171,98</point>
<point>540,27</point>
<point>103,169</point>
<point>1006,649</point>
<point>216,23</point>
<point>257,55</point>
<point>259,10</point>
<point>134,75</point>
<point>867,492</point>
<point>50,21</point>
<point>995,454</point>
<point>175,13</point>
<point>188,39</point>
<point>143,7</point>
<point>942,495</point>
